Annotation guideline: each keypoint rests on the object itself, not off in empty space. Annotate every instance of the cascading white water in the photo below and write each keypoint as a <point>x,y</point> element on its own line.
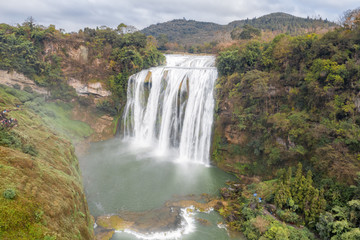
<point>172,106</point>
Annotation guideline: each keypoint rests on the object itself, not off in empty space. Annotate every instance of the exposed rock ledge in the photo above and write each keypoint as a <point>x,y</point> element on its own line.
<point>84,89</point>
<point>12,78</point>
<point>166,218</point>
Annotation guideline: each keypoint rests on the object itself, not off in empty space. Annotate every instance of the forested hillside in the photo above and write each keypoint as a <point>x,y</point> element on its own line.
<point>51,57</point>
<point>289,106</point>
<point>186,31</point>
<point>284,22</point>
<point>190,32</point>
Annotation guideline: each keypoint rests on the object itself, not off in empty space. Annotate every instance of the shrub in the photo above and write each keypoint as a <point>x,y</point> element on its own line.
<point>17,86</point>
<point>11,91</point>
<point>9,193</point>
<point>30,149</point>
<point>277,231</point>
<point>106,106</point>
<point>8,139</point>
<point>85,101</point>
<point>227,62</point>
<point>38,215</point>
<point>288,216</point>
<point>28,89</point>
<point>63,91</point>
<point>49,237</point>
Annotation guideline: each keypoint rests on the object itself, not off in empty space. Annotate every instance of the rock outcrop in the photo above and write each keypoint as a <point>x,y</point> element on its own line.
<point>13,79</point>
<point>84,89</point>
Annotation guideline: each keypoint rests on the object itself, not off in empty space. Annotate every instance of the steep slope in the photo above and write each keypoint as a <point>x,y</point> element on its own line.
<point>42,196</point>
<point>293,99</point>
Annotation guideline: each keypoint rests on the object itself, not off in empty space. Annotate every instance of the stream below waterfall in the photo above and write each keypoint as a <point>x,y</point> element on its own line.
<point>153,182</point>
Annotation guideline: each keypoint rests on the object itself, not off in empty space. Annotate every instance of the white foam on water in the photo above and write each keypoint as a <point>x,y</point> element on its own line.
<point>187,226</point>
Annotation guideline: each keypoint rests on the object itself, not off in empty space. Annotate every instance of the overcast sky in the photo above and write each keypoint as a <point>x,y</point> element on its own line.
<point>73,15</point>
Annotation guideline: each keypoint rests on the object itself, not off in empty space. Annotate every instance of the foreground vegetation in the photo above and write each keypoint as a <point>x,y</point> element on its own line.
<point>41,189</point>
<point>288,101</point>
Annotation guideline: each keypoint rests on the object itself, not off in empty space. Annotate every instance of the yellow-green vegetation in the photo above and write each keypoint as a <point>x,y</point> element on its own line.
<point>41,190</point>
<point>299,195</point>
<point>295,100</point>
<point>248,211</point>
<point>283,206</point>
<point>292,99</point>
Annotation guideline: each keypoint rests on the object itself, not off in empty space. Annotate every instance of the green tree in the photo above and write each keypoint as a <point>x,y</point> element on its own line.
<point>324,225</point>
<point>247,32</point>
<point>228,62</point>
<point>127,59</point>
<point>162,41</point>
<point>282,195</point>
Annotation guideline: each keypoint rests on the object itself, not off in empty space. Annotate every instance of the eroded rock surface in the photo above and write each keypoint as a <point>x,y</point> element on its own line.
<point>84,89</point>
<point>13,78</point>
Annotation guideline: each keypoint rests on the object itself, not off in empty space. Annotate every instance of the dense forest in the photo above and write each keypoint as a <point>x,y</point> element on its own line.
<point>288,111</point>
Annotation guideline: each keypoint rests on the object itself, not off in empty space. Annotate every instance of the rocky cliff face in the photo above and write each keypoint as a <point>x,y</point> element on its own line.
<point>103,126</point>
<point>83,70</point>
<point>79,61</point>
<point>18,80</point>
<point>85,89</point>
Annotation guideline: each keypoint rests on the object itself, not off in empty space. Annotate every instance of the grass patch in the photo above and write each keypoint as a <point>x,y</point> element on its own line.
<point>116,122</point>
<point>57,116</point>
<point>18,219</point>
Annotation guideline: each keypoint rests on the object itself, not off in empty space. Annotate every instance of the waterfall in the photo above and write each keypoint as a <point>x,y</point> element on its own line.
<point>172,106</point>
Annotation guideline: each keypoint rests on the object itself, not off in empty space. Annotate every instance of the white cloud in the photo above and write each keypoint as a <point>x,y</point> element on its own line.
<point>73,15</point>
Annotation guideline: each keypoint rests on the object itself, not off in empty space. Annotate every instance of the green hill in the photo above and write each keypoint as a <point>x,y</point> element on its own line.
<point>284,22</point>
<point>194,32</point>
<point>186,31</point>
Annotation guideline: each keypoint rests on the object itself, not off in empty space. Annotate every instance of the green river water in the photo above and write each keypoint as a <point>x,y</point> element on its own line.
<point>120,176</point>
